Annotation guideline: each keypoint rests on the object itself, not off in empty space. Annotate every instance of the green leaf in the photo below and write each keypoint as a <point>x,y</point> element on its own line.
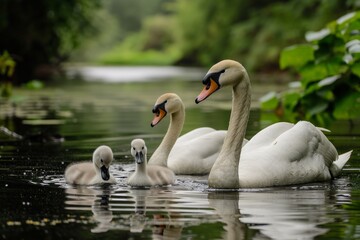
<point>291,99</point>
<point>313,73</point>
<point>296,56</point>
<point>355,69</point>
<point>327,95</point>
<point>269,101</point>
<point>319,107</point>
<point>348,107</point>
<point>315,36</point>
<point>329,80</point>
<point>323,88</point>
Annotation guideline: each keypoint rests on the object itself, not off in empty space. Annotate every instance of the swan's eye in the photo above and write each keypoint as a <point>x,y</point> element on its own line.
<point>156,109</point>
<point>142,148</point>
<point>101,160</point>
<point>215,76</point>
<point>133,148</point>
<point>208,84</point>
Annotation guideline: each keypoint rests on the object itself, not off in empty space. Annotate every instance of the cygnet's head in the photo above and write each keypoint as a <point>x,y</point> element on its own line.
<point>166,103</point>
<point>138,150</point>
<point>102,158</point>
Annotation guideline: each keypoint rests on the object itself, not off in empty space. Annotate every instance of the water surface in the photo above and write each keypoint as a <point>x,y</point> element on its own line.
<point>65,123</point>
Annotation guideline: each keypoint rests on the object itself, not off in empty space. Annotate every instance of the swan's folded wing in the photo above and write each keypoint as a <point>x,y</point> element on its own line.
<point>304,140</point>
<point>194,134</point>
<point>196,156</point>
<point>267,135</point>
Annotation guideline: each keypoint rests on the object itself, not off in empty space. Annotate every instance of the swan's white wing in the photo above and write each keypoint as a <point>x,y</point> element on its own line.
<point>268,135</point>
<point>197,155</point>
<point>299,155</point>
<point>304,140</point>
<point>194,134</point>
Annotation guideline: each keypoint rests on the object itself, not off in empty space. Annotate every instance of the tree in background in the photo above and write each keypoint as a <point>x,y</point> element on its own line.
<point>253,32</point>
<point>40,34</point>
<point>138,32</point>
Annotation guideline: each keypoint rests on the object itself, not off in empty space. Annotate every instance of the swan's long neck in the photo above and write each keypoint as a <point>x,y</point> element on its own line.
<point>224,173</point>
<point>161,154</point>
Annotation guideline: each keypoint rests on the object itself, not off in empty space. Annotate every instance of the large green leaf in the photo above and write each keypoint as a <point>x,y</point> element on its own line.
<point>348,107</point>
<point>269,101</point>
<point>313,73</point>
<point>355,69</point>
<point>296,56</point>
<point>290,99</point>
<point>316,109</point>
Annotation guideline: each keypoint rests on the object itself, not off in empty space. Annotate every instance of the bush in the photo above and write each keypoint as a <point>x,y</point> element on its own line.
<point>7,68</point>
<point>329,70</point>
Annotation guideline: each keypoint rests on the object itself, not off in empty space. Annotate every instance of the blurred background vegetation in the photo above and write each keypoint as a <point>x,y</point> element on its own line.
<point>40,35</point>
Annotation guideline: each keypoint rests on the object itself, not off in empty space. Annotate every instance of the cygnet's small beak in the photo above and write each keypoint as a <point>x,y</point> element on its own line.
<point>105,175</point>
<point>139,157</point>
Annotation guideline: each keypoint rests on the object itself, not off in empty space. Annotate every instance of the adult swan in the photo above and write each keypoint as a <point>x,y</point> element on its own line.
<point>281,154</point>
<point>193,153</point>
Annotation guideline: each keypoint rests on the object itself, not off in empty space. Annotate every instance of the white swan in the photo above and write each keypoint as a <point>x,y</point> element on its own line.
<point>145,176</point>
<point>193,153</point>
<point>89,173</point>
<point>282,154</point>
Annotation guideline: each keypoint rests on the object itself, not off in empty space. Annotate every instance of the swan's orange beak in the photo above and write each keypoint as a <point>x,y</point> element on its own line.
<point>159,115</point>
<point>209,89</point>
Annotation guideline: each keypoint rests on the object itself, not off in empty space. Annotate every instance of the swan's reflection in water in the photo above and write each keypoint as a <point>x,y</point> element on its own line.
<point>169,213</point>
<point>292,213</point>
<point>226,205</point>
<point>164,212</point>
<point>81,198</point>
<point>138,218</point>
<point>163,220</point>
<point>281,215</point>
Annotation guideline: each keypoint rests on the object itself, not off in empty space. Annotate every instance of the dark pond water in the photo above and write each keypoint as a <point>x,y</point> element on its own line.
<point>37,204</point>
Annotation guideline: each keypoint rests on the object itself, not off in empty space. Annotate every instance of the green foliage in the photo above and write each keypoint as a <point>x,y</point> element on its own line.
<point>7,69</point>
<point>329,70</point>
<point>120,55</point>
<point>7,65</point>
<point>152,46</point>
<point>296,56</point>
<point>41,34</point>
<point>252,32</point>
<point>34,85</point>
<point>201,32</point>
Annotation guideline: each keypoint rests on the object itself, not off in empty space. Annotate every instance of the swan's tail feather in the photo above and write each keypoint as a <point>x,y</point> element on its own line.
<point>323,129</point>
<point>337,165</point>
